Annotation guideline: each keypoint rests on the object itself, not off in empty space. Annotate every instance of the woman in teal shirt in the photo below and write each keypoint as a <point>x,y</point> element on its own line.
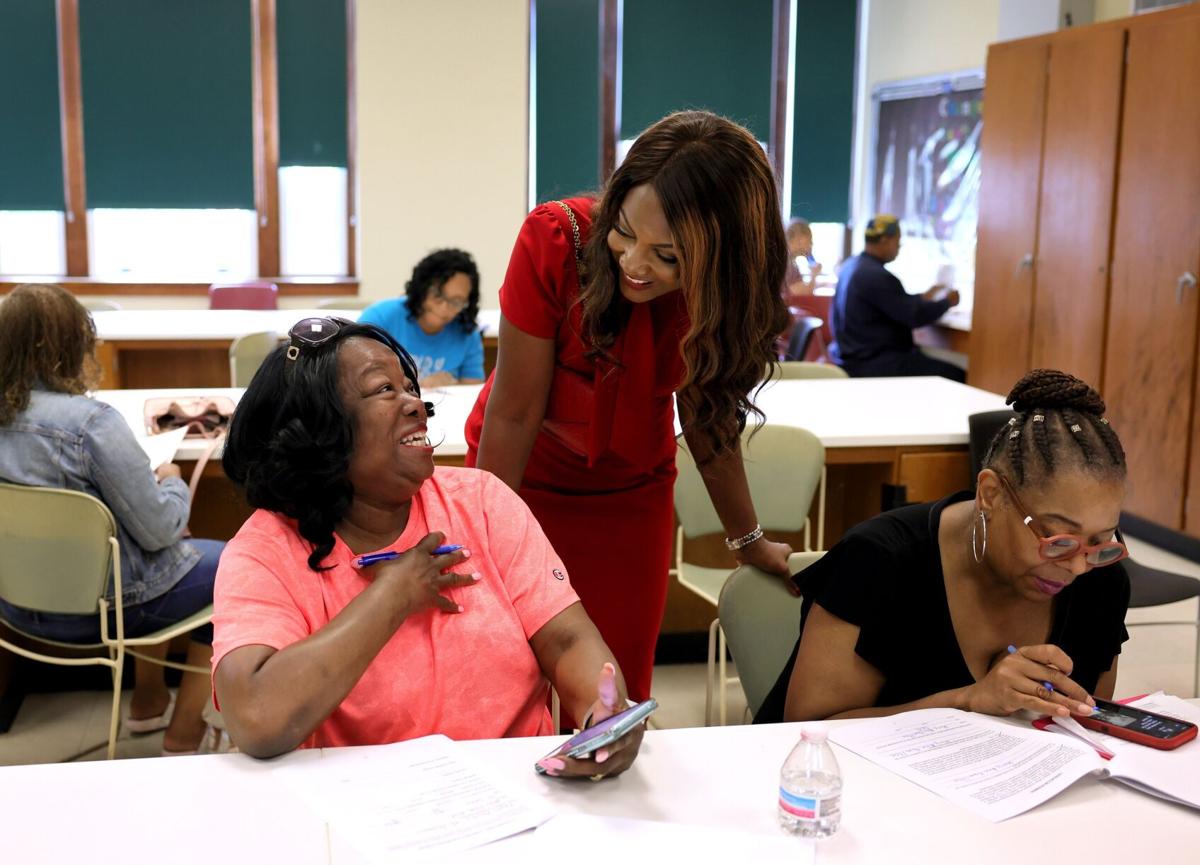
<point>435,320</point>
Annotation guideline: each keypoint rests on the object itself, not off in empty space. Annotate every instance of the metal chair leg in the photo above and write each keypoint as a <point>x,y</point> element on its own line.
<point>722,681</point>
<point>712,664</point>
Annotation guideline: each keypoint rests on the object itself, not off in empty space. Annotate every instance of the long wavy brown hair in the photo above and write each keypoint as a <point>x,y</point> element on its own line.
<point>718,195</point>
<point>47,340</point>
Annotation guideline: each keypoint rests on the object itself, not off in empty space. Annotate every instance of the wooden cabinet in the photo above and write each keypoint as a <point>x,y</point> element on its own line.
<point>1013,111</point>
<point>1111,294</point>
<point>1151,348</point>
<point>1079,160</point>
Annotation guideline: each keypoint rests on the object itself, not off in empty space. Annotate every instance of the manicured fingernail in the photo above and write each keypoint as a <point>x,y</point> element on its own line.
<point>608,685</point>
<point>553,765</point>
<point>1062,711</point>
<point>1091,702</point>
<point>601,755</point>
<point>466,553</point>
<point>1085,709</point>
<point>476,577</point>
<point>460,608</point>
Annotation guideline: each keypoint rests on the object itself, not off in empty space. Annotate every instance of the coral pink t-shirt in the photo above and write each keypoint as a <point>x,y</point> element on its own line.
<point>471,675</point>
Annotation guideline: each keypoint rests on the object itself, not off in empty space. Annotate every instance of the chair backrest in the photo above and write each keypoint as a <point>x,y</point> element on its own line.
<point>803,331</point>
<point>344,303</point>
<point>244,295</point>
<point>55,549</point>
<point>795,369</point>
<point>246,354</point>
<point>783,468</point>
<point>97,304</point>
<point>982,429</point>
<point>761,621</point>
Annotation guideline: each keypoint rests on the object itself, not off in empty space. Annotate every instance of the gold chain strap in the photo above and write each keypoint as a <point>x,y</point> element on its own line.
<point>574,236</point>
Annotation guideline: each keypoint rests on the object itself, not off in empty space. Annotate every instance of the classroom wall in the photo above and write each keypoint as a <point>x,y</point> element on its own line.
<point>442,135</point>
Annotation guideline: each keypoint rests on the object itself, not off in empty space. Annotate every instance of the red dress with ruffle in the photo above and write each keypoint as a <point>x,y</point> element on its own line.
<point>601,475</point>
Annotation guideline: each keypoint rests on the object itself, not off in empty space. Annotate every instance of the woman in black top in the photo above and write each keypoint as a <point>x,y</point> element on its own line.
<point>917,608</point>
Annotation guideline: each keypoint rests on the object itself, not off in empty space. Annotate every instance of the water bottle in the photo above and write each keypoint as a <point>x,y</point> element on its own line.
<point>810,787</point>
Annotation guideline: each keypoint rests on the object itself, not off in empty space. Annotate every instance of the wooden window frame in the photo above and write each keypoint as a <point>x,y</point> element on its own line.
<point>265,108</point>
<point>610,54</point>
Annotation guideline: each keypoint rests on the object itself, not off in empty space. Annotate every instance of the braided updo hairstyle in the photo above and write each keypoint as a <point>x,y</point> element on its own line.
<point>1060,422</point>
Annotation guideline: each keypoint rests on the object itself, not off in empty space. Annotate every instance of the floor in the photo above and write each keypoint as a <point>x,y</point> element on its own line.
<point>66,726</point>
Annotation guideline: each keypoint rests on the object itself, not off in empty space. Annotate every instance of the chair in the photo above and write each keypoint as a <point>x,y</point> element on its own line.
<point>246,354</point>
<point>785,468</point>
<point>60,547</point>
<point>97,304</point>
<point>244,295</point>
<point>344,303</point>
<point>798,369</point>
<point>761,621</point>
<point>804,329</point>
<point>1148,587</point>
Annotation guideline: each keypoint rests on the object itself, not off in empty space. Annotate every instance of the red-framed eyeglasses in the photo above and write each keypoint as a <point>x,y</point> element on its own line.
<point>1053,547</point>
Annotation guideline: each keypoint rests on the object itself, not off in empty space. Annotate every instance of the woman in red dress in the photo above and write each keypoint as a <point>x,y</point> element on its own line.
<point>667,284</point>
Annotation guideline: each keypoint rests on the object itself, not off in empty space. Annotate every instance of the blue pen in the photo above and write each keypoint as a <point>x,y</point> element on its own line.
<point>373,558</point>
<point>1049,686</point>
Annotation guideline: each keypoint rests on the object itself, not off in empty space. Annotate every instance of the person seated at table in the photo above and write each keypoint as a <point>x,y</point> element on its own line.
<point>435,320</point>
<point>874,317</point>
<point>801,280</point>
<point>917,608</point>
<point>315,649</point>
<point>53,435</point>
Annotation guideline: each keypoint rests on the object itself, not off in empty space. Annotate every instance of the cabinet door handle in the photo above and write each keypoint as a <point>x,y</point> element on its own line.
<point>1026,261</point>
<point>1186,280</point>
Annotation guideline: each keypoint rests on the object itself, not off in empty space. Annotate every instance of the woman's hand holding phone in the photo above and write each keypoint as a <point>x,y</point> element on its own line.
<point>609,759</point>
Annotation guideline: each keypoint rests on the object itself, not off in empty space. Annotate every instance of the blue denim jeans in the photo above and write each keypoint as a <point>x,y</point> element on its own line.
<point>191,594</point>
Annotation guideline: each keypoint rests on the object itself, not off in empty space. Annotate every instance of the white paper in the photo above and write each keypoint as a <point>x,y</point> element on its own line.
<point>995,769</point>
<point>160,449</point>
<point>414,801</point>
<point>1173,775</point>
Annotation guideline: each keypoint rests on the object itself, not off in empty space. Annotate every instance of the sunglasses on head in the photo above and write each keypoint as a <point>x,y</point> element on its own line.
<point>310,333</point>
<point>1052,547</point>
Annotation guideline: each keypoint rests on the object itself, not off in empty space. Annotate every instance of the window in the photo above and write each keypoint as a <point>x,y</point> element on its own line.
<point>201,142</point>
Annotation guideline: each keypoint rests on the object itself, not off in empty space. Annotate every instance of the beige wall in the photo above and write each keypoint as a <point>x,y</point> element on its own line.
<point>911,38</point>
<point>442,134</point>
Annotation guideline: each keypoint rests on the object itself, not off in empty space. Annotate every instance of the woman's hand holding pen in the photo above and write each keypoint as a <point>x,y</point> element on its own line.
<point>422,574</point>
<point>1030,677</point>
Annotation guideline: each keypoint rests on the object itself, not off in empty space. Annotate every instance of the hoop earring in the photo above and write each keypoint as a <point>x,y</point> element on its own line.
<point>979,554</point>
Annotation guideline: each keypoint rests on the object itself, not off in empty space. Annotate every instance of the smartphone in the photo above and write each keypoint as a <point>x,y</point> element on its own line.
<point>604,732</point>
<point>1138,725</point>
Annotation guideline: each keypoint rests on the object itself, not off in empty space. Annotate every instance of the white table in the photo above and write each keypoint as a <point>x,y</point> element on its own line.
<point>143,348</point>
<point>228,808</point>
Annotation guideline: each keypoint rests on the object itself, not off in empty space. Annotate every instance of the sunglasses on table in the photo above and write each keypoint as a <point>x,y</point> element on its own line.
<point>1052,547</point>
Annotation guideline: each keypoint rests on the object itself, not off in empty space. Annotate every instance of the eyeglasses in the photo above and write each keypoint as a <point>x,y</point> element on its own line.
<point>452,302</point>
<point>1054,547</point>
<point>311,333</point>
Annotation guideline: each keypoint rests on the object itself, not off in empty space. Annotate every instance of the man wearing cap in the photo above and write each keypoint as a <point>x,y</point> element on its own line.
<point>873,316</point>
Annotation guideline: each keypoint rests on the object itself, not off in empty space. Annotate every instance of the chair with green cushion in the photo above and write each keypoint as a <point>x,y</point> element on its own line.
<point>97,304</point>
<point>785,468</point>
<point>761,620</point>
<point>60,550</point>
<point>794,369</point>
<point>246,355</point>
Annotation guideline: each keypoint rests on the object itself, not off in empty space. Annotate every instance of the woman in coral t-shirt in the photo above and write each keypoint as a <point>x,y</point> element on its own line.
<point>313,647</point>
<point>667,284</point>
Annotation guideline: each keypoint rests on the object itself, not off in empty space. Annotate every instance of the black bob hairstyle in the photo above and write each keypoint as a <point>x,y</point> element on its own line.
<point>432,272</point>
<point>290,440</point>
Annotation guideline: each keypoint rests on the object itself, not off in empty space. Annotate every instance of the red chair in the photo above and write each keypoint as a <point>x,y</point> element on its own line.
<point>244,295</point>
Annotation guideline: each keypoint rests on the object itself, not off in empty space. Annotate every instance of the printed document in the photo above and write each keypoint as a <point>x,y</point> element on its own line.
<point>412,801</point>
<point>160,449</point>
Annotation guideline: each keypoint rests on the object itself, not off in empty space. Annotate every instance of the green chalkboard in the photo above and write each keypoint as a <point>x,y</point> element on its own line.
<point>167,103</point>
<point>823,126</point>
<point>713,54</point>
<point>311,47</point>
<point>31,174</point>
<point>566,65</point>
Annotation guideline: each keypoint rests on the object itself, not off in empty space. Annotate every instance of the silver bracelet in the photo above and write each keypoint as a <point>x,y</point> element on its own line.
<point>745,540</point>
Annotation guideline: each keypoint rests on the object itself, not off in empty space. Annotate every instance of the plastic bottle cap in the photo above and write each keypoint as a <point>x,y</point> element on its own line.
<point>815,733</point>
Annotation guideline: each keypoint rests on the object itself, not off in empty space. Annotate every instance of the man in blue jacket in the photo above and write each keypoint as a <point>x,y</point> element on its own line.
<point>873,316</point>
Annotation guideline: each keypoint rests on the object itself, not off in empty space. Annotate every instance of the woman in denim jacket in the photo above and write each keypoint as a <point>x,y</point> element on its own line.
<point>53,435</point>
